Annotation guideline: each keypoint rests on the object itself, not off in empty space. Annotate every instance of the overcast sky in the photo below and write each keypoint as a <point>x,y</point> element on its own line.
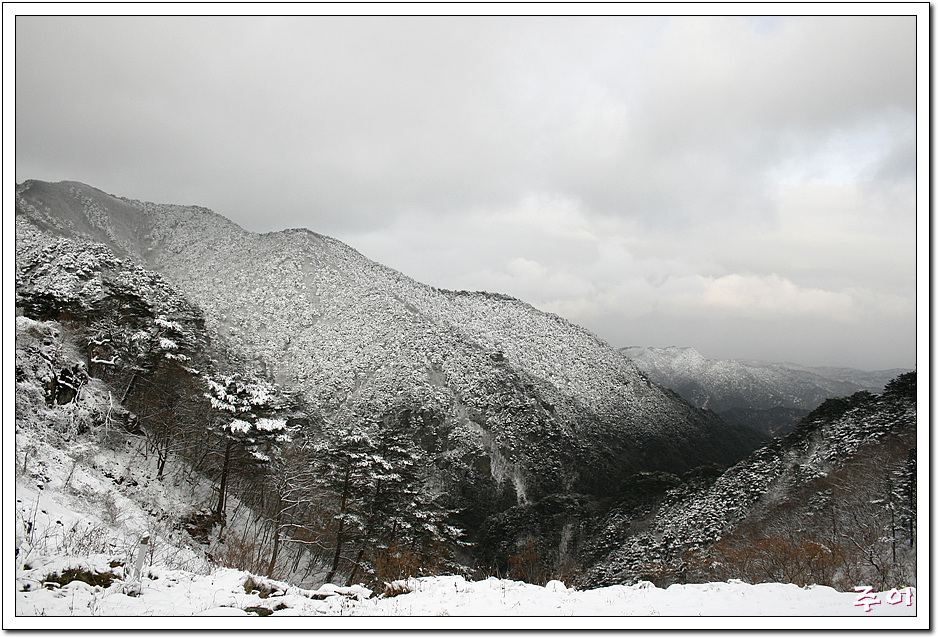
<point>742,185</point>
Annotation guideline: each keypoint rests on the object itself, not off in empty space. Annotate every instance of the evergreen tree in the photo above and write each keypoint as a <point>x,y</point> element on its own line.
<point>377,477</point>
<point>905,498</point>
<point>902,387</point>
<point>249,422</point>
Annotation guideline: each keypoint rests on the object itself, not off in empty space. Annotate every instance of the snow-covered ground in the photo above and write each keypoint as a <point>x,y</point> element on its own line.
<point>223,593</point>
<point>211,597</point>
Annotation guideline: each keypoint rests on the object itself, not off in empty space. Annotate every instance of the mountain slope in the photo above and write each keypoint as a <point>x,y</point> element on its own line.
<point>832,502</point>
<point>515,404</point>
<point>770,396</point>
<point>87,491</point>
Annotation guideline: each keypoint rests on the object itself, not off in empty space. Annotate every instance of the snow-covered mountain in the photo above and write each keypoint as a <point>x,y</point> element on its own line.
<point>513,403</point>
<point>148,342</point>
<point>769,396</point>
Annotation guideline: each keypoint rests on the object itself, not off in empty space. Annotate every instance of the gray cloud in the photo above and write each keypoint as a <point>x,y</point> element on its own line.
<point>659,180</point>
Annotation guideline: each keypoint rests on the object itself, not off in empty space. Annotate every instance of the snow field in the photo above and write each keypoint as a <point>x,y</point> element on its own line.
<point>222,593</point>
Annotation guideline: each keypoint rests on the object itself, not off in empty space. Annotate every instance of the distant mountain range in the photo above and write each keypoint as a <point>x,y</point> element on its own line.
<point>772,397</point>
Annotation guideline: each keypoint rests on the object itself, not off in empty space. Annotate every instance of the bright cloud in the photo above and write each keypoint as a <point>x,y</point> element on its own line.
<point>749,295</point>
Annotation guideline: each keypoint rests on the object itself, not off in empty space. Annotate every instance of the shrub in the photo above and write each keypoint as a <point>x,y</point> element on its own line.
<point>395,563</point>
<point>95,579</point>
<point>527,565</point>
<point>242,552</point>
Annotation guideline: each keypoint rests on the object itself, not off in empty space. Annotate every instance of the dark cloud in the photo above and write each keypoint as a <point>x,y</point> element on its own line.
<point>619,170</point>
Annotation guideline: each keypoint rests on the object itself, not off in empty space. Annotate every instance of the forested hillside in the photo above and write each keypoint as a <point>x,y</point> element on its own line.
<point>833,502</point>
<point>111,358</point>
<point>330,420</point>
<point>498,404</point>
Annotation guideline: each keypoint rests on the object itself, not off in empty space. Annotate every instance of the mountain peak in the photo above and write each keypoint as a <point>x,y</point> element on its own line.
<point>515,404</point>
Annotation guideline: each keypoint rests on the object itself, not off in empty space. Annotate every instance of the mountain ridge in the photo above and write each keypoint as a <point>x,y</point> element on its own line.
<point>766,394</point>
<point>516,404</point>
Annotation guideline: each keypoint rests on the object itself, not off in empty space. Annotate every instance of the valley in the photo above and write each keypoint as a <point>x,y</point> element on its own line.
<point>326,420</point>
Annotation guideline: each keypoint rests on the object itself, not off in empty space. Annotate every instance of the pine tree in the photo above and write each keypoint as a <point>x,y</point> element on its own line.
<point>377,477</point>
<point>249,423</point>
<point>406,513</point>
<point>905,497</point>
<point>902,387</point>
<point>342,463</point>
